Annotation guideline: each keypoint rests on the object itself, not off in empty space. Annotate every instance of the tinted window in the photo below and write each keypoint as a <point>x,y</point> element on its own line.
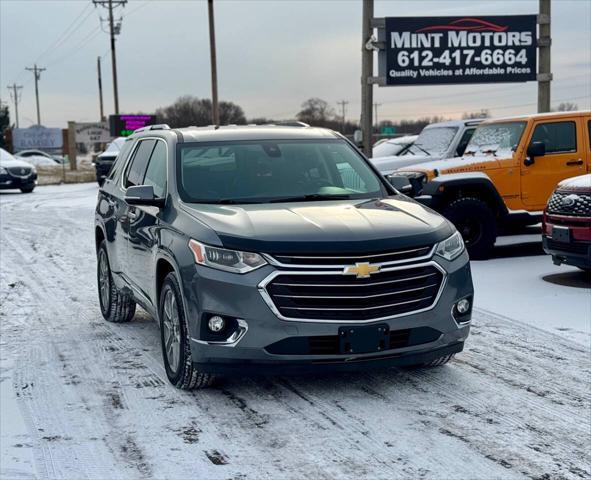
<point>137,168</point>
<point>156,172</point>
<point>272,171</point>
<point>558,136</point>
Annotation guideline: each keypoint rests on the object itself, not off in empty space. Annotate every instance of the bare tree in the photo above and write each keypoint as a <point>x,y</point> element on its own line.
<point>483,113</point>
<point>188,111</point>
<point>567,107</point>
<point>316,111</point>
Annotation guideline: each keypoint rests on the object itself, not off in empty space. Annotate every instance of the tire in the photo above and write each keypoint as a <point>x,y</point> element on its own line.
<point>475,220</point>
<point>116,306</point>
<point>178,361</point>
<point>28,189</point>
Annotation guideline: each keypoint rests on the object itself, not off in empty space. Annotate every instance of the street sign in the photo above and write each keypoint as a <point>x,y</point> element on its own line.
<point>448,50</point>
<point>36,136</point>
<point>88,133</point>
<point>124,125</point>
<point>388,130</point>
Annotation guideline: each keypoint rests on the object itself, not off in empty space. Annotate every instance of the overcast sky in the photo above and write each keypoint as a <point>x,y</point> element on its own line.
<point>272,55</point>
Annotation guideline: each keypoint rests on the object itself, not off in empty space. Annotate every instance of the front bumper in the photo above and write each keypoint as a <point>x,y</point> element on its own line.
<point>209,291</point>
<point>576,250</point>
<point>8,181</point>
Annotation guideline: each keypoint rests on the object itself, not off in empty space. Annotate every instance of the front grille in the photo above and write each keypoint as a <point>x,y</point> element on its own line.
<point>329,344</point>
<point>580,248</point>
<point>565,203</point>
<point>393,256</point>
<point>338,297</point>
<point>20,171</point>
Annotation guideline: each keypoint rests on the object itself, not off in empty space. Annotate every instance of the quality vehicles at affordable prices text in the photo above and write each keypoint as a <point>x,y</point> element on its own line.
<point>507,173</point>
<point>567,223</point>
<point>277,249</point>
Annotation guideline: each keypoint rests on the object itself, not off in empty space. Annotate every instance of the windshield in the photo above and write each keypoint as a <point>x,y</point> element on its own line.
<point>387,149</point>
<point>267,171</point>
<point>495,138</point>
<point>433,141</point>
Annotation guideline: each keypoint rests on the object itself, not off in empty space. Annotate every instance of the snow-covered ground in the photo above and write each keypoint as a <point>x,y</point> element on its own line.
<point>81,398</point>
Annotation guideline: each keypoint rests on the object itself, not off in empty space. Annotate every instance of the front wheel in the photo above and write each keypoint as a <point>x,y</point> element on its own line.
<point>437,362</point>
<point>28,189</point>
<point>477,224</point>
<point>176,347</point>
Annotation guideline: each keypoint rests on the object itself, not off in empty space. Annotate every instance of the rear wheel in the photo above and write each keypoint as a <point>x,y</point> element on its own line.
<point>116,306</point>
<point>176,347</point>
<point>477,224</point>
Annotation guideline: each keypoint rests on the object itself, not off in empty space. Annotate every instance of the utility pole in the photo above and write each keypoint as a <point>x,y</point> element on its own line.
<point>113,30</point>
<point>375,106</point>
<point>343,103</point>
<point>16,97</point>
<point>37,73</point>
<point>544,46</point>
<point>366,73</point>
<point>215,113</point>
<point>100,87</point>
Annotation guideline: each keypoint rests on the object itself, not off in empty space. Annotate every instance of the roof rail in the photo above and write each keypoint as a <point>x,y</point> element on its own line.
<point>290,123</point>
<point>161,126</point>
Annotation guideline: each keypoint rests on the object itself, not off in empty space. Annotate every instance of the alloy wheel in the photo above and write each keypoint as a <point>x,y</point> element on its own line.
<point>172,330</point>
<point>104,279</point>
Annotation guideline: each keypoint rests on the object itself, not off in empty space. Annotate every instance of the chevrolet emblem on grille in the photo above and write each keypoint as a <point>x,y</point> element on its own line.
<point>362,270</point>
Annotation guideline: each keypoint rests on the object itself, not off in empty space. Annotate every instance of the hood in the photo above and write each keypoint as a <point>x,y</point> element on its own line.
<point>467,163</point>
<point>327,226</point>
<point>387,165</point>
<point>9,161</point>
<point>582,183</point>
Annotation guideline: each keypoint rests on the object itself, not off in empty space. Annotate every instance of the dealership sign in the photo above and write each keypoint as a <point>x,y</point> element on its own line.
<point>88,133</point>
<point>440,50</point>
<point>36,136</point>
<point>125,125</point>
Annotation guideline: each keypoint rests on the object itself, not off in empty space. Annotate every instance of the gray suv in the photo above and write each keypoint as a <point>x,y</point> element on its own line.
<point>275,249</point>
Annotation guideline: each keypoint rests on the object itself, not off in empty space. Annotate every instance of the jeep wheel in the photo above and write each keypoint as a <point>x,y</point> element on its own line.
<point>476,222</point>
<point>116,306</point>
<point>176,348</point>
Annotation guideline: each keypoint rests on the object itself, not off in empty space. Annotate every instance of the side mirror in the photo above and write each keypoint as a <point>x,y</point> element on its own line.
<point>143,195</point>
<point>400,183</point>
<point>535,149</point>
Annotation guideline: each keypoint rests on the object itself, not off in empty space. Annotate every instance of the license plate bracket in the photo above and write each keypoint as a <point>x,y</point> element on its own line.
<point>561,234</point>
<point>363,339</point>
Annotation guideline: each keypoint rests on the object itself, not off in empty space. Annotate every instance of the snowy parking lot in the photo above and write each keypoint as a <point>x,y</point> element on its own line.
<point>81,398</point>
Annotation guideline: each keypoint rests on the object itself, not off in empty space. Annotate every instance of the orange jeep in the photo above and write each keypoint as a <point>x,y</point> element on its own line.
<point>509,170</point>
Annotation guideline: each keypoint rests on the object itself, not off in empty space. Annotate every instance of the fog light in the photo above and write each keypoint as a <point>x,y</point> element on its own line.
<point>216,324</point>
<point>463,306</point>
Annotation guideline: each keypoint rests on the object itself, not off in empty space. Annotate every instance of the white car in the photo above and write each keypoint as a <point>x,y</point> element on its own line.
<point>16,173</point>
<point>393,146</point>
<point>437,141</point>
<point>39,157</point>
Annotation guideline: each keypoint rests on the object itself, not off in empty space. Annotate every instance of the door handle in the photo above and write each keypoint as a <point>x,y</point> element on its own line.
<point>574,162</point>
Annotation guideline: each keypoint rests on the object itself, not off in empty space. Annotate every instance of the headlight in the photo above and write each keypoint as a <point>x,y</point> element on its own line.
<point>3,171</point>
<point>451,247</point>
<point>224,259</point>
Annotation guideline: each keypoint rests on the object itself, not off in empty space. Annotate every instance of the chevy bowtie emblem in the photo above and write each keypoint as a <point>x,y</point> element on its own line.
<point>362,270</point>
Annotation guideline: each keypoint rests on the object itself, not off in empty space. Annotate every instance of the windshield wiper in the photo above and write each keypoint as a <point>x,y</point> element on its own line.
<point>310,197</point>
<point>493,151</point>
<point>421,148</point>
<point>470,152</point>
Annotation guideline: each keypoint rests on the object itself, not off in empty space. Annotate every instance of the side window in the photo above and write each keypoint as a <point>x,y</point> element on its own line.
<point>137,166</point>
<point>120,160</point>
<point>156,172</point>
<point>558,136</point>
<point>466,136</point>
